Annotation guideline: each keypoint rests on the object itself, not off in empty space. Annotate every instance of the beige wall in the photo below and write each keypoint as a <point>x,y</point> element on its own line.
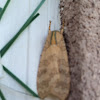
<point>82,33</point>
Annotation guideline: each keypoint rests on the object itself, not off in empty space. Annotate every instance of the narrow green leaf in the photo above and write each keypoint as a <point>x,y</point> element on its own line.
<point>2,95</point>
<point>0,9</point>
<point>5,7</point>
<point>39,6</point>
<point>7,46</point>
<point>19,81</point>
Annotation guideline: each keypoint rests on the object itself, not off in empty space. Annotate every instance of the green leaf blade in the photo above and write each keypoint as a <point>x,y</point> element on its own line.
<point>39,6</point>
<point>19,81</point>
<point>0,9</point>
<point>5,7</point>
<point>2,95</point>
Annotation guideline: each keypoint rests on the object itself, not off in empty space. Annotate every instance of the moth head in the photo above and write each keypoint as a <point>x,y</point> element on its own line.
<point>55,38</point>
<point>55,35</point>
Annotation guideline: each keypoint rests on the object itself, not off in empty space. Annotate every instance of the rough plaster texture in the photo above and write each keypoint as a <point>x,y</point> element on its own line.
<point>82,35</point>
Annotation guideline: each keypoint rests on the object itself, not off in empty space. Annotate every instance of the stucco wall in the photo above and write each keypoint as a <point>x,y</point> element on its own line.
<point>82,35</point>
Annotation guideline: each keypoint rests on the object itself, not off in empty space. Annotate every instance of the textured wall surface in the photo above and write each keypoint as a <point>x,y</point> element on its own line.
<point>82,35</point>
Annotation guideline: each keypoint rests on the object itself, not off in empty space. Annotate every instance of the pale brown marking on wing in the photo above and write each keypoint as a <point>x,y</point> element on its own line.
<point>63,86</point>
<point>48,65</point>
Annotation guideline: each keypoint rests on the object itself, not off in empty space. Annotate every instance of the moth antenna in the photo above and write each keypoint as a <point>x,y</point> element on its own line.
<point>62,28</point>
<point>50,25</point>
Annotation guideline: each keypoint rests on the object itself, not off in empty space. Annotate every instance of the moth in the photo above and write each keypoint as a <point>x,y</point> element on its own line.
<point>53,79</point>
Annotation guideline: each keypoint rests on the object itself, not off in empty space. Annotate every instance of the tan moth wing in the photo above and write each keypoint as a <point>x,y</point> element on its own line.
<point>53,75</point>
<point>62,88</point>
<point>48,73</point>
